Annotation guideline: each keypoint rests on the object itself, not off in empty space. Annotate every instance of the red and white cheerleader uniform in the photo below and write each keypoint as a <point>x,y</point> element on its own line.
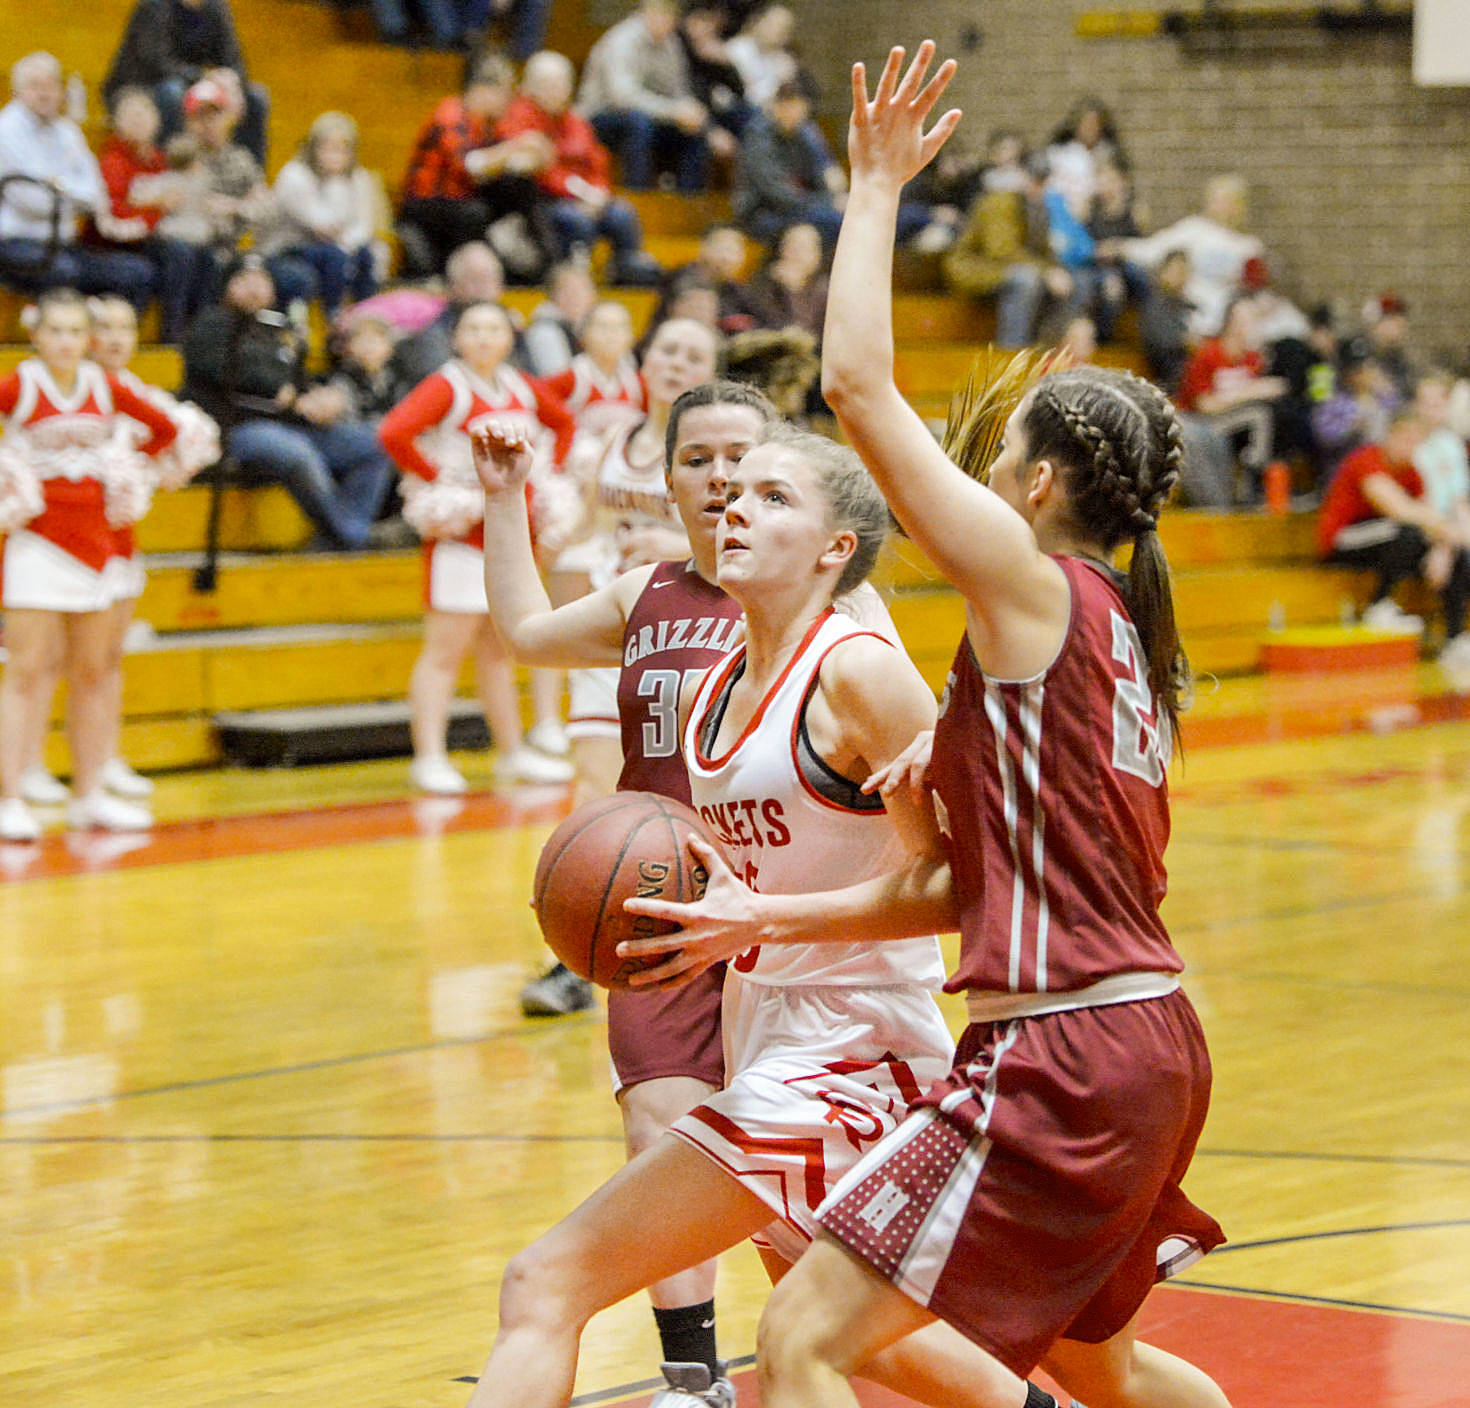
<point>600,401</point>
<point>428,436</point>
<point>66,557</point>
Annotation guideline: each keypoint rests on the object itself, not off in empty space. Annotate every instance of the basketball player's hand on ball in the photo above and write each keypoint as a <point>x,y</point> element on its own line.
<point>886,140</point>
<point>502,453</point>
<point>909,772</point>
<point>714,929</point>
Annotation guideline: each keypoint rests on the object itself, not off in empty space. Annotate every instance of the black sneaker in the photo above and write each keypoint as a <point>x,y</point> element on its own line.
<point>555,993</point>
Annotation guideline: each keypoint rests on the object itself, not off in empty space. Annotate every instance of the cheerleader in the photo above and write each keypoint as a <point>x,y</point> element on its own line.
<point>427,436</point>
<point>67,480</point>
<point>601,387</point>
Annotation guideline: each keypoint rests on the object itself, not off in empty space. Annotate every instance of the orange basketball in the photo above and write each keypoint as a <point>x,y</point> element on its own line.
<point>632,843</point>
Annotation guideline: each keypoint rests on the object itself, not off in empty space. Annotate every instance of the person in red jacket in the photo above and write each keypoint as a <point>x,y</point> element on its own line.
<point>139,193</point>
<point>576,172</point>
<point>1376,516</point>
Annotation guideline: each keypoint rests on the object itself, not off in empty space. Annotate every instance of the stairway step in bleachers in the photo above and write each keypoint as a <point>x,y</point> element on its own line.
<point>336,734</point>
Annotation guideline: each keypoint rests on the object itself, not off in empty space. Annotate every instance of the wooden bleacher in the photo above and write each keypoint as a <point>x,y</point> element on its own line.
<point>287,630</point>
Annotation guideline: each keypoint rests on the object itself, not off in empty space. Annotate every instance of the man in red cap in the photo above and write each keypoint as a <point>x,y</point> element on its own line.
<point>1387,317</point>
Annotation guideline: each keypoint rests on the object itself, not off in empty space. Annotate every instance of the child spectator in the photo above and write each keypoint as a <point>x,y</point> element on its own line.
<point>1163,322</point>
<point>69,480</point>
<point>1387,321</point>
<point>1443,468</point>
<point>1358,409</point>
<point>331,210</point>
<point>169,45</point>
<point>428,436</point>
<point>636,92</point>
<point>461,180</point>
<point>719,265</point>
<point>365,372</point>
<point>791,290</point>
<point>63,182</point>
<point>575,174</point>
<point>601,387</point>
<point>1224,383</point>
<point>140,193</point>
<point>1377,518</point>
<point>553,336</point>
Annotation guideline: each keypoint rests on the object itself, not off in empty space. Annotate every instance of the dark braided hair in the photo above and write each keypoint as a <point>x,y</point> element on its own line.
<point>1118,441</point>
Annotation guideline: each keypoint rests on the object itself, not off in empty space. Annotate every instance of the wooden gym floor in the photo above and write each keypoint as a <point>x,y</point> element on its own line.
<point>271,1122</point>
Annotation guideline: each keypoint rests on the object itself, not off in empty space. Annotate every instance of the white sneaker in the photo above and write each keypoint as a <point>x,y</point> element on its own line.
<point>1454,654</point>
<point>692,1386</point>
<point>40,789</point>
<point>435,773</point>
<point>524,764</point>
<point>1389,617</point>
<point>119,779</point>
<point>16,821</point>
<point>549,738</point>
<point>99,811</point>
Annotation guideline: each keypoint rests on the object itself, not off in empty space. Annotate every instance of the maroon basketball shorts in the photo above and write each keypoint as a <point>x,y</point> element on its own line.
<point>1034,1193</point>
<point>651,1035</point>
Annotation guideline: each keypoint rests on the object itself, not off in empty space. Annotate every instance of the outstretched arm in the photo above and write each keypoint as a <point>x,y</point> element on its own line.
<point>585,632</point>
<point>981,545</point>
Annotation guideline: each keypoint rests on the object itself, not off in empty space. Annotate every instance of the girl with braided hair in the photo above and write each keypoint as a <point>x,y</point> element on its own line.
<point>1032,1197</point>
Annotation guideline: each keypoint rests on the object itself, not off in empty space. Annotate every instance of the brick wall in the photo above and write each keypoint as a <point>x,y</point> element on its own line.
<point>1360,181</point>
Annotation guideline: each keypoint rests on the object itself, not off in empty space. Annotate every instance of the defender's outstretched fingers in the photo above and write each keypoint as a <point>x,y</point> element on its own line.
<point>915,76</point>
<point>888,79</point>
<point>860,93</point>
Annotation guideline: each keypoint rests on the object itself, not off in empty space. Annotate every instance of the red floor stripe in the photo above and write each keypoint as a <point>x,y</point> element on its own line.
<point>213,838</point>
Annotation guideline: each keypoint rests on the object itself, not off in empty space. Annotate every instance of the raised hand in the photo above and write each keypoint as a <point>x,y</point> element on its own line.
<point>721,925</point>
<point>886,138</point>
<point>502,453</point>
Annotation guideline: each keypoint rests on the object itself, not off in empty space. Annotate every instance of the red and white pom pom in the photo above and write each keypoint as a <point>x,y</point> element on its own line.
<point>20,491</point>
<point>558,508</point>
<point>127,485</point>
<point>197,446</point>
<point>437,510</point>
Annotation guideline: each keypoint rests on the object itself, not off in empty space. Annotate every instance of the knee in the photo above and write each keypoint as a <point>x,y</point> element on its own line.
<point>538,1288</point>
<point>795,1334</point>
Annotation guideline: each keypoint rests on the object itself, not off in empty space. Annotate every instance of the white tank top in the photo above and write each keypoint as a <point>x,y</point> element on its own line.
<point>772,808</point>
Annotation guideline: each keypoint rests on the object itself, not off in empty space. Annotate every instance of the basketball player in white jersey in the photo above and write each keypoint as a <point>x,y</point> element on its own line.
<point>824,1046</point>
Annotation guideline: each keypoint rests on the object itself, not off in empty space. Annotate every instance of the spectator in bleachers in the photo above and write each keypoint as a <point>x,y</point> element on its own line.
<point>63,183</point>
<point>1218,248</point>
<point>169,45</point>
<point>1113,280</point>
<point>244,365</point>
<point>553,334</point>
<point>575,175</point>
<point>1445,472</point>
<point>784,175</point>
<point>522,23</point>
<point>791,288</point>
<point>601,386</point>
<point>365,371</point>
<point>762,54</point>
<point>461,181</point>
<point>719,265</point>
<point>225,202</point>
<point>331,210</point>
<point>713,78</point>
<point>427,436</point>
<point>1386,319</point>
<point>472,275</point>
<point>1377,517</point>
<point>945,189</point>
<point>1004,253</point>
<point>140,195</point>
<point>1225,384</point>
<point>1086,140</point>
<point>1163,321</point>
<point>1358,409</point>
<point>637,93</point>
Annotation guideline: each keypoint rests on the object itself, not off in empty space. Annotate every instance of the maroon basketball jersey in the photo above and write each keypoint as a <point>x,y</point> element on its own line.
<point>679,624</point>
<point>1057,808</point>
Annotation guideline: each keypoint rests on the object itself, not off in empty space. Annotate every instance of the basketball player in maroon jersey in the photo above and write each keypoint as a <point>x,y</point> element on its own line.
<point>1033,1197</point>
<point>658,623</point>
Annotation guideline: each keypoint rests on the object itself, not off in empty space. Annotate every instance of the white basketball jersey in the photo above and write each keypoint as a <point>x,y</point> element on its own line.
<point>773,814</point>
